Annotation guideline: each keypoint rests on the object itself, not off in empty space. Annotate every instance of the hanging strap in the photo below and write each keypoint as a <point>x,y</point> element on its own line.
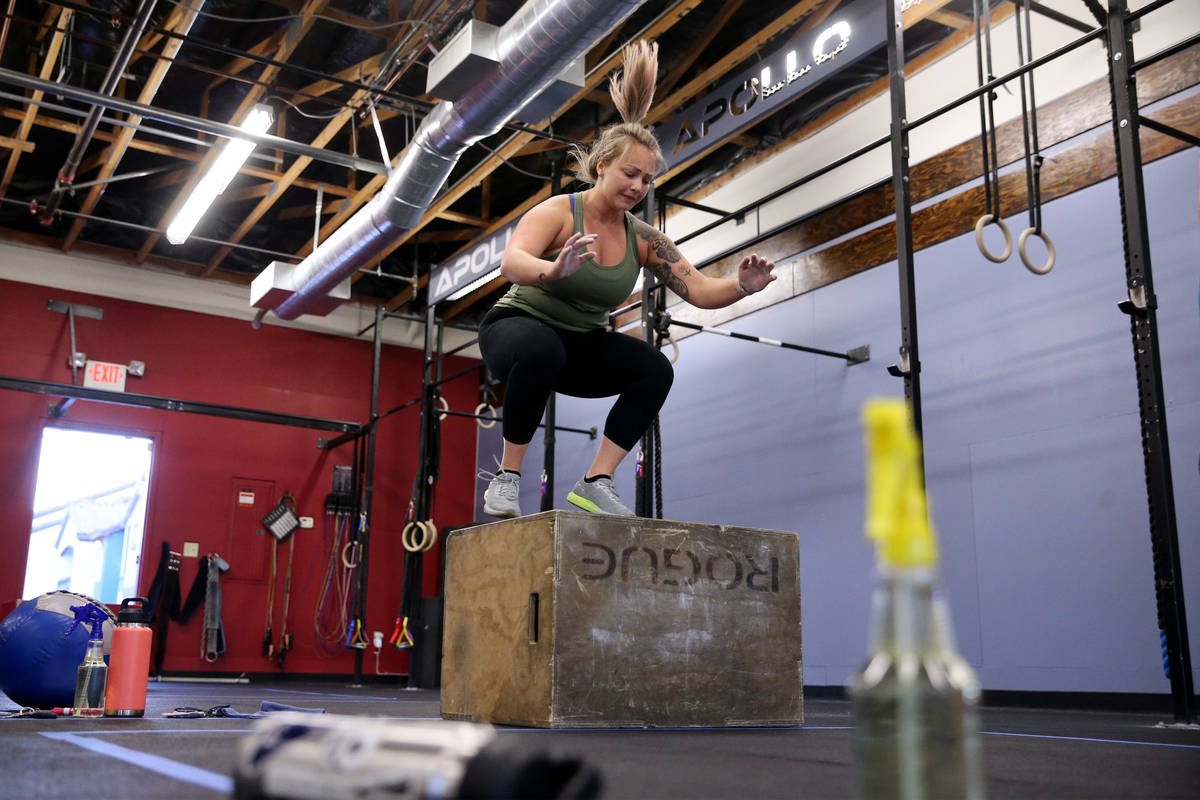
<point>1033,156</point>
<point>268,643</point>
<point>213,637</point>
<point>981,17</point>
<point>285,636</point>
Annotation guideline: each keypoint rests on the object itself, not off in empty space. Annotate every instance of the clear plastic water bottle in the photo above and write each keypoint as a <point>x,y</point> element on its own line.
<point>93,671</point>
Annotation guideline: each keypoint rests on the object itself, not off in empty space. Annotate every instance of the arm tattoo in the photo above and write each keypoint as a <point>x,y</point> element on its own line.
<point>662,271</point>
<point>671,267</point>
<point>541,277</point>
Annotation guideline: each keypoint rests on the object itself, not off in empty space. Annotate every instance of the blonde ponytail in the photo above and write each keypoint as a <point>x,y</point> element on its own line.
<point>632,93</point>
<point>632,90</point>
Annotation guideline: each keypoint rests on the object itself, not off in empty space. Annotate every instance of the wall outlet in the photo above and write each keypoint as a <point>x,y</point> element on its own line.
<point>306,522</point>
<point>191,549</point>
<point>377,639</point>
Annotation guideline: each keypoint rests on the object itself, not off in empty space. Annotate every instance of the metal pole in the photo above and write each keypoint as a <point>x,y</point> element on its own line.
<point>1141,306</point>
<point>368,493</point>
<point>644,496</point>
<point>910,363</point>
<point>549,440</point>
<point>66,175</point>
<point>265,140</point>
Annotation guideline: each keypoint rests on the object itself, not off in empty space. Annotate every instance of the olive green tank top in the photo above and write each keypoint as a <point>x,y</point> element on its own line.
<point>582,301</point>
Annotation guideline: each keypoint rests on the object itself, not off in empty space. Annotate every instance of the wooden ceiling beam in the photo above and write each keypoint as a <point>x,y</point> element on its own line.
<point>951,19</point>
<point>174,152</point>
<point>10,143</point>
<point>300,212</point>
<point>120,145</point>
<point>696,47</point>
<point>363,70</point>
<point>465,219</point>
<point>354,20</point>
<point>239,64</point>
<point>31,111</point>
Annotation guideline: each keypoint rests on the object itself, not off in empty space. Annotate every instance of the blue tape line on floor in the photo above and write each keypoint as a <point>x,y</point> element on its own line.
<point>163,766</point>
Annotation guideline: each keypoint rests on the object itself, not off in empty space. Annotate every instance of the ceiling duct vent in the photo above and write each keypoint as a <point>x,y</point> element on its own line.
<point>277,283</point>
<point>472,54</point>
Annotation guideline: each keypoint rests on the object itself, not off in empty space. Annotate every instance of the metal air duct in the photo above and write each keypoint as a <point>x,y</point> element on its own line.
<point>533,47</point>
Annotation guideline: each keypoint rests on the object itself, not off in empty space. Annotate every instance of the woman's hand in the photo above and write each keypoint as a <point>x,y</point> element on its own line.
<point>574,254</point>
<point>754,273</point>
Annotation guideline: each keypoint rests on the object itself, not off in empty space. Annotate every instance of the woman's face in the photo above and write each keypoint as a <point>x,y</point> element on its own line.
<point>627,179</point>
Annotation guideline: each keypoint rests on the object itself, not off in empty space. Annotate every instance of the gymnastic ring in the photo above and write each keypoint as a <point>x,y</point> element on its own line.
<point>431,533</point>
<point>350,547</point>
<point>1008,244</point>
<point>445,406</point>
<point>674,350</point>
<point>479,409</point>
<point>406,538</point>
<point>1025,258</point>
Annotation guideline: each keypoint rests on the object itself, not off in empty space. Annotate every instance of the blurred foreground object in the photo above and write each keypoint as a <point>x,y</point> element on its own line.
<point>916,728</point>
<point>292,756</point>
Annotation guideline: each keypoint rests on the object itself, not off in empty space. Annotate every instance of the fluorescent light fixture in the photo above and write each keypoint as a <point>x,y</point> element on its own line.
<point>473,285</point>
<point>233,154</point>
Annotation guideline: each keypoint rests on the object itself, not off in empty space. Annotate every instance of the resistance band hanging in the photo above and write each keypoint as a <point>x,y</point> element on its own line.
<point>330,616</point>
<point>981,16</point>
<point>1033,157</point>
<point>355,638</point>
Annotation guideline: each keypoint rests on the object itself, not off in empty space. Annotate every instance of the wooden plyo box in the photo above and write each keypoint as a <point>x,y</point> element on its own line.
<point>569,619</point>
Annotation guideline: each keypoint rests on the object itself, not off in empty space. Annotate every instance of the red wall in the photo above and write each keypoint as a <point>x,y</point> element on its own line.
<point>202,461</point>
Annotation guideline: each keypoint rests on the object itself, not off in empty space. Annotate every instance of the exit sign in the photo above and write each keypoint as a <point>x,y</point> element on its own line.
<point>102,375</point>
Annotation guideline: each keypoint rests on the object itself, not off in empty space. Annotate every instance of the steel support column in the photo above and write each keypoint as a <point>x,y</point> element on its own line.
<point>650,477</point>
<point>549,440</point>
<point>1141,307</point>
<point>910,363</point>
<point>368,482</point>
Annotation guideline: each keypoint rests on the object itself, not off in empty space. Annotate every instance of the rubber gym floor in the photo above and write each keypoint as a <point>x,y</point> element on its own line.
<point>1029,753</point>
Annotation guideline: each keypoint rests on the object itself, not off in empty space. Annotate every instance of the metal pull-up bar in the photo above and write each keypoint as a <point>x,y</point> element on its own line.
<point>856,355</point>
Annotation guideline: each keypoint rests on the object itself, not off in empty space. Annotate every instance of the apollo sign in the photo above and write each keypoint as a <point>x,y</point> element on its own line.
<point>744,98</point>
<point>472,264</point>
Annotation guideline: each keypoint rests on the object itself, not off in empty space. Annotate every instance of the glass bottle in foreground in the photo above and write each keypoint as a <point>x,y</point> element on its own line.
<point>916,700</point>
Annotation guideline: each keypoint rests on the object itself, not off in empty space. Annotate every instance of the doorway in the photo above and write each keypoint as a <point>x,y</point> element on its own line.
<point>89,513</point>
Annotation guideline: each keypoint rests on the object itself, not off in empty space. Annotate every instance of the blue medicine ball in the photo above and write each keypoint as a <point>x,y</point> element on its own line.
<point>39,660</point>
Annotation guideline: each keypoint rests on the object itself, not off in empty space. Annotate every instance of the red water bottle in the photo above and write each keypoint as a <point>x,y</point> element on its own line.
<point>129,660</point>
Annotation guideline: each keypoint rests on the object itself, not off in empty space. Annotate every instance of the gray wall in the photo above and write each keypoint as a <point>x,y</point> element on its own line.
<point>1032,444</point>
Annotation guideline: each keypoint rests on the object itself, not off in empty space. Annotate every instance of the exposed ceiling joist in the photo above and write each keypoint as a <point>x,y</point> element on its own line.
<point>56,43</point>
<point>116,151</point>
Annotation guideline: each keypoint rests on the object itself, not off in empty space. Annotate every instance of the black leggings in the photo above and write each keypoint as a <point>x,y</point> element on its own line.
<point>535,359</point>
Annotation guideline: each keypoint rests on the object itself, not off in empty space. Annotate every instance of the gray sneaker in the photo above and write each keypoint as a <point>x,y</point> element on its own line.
<point>598,497</point>
<point>500,499</point>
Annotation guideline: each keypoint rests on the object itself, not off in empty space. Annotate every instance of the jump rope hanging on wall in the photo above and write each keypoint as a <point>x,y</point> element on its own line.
<point>282,522</point>
<point>981,17</point>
